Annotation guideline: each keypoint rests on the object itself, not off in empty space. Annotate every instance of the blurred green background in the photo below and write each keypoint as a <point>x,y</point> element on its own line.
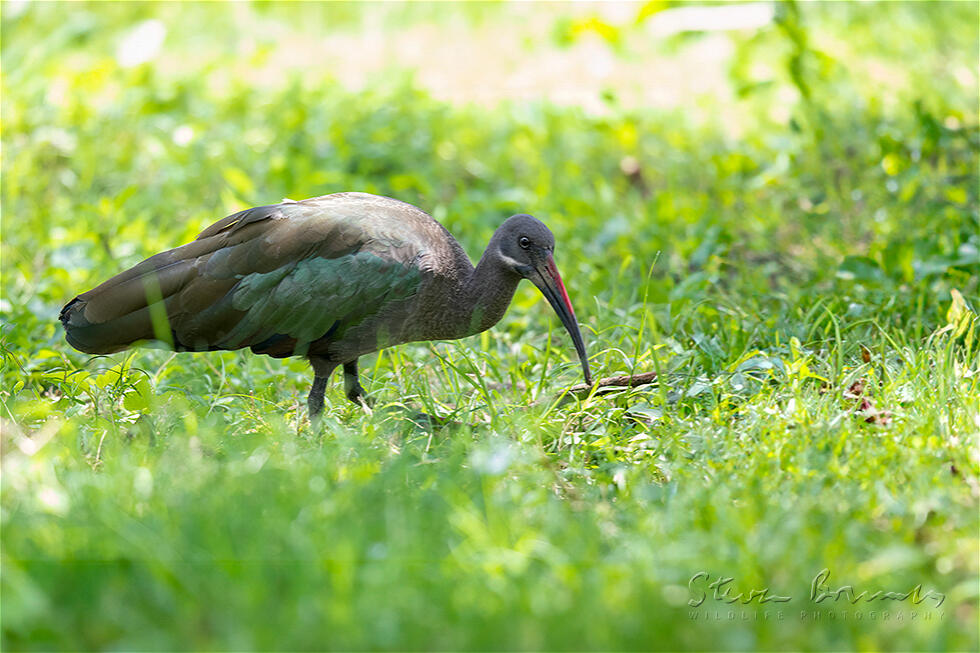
<point>773,206</point>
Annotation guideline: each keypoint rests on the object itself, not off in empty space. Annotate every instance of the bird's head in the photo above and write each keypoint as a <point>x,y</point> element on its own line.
<point>527,247</point>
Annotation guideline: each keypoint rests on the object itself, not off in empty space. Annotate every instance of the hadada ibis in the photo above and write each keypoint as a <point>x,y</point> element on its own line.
<point>330,278</point>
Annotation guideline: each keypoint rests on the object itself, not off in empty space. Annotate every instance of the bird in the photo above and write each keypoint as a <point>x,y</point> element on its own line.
<point>330,279</point>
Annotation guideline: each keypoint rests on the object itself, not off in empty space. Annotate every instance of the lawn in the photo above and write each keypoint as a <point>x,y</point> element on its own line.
<point>795,254</point>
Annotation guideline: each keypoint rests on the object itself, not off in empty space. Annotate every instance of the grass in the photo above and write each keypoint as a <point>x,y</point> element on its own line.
<point>805,290</point>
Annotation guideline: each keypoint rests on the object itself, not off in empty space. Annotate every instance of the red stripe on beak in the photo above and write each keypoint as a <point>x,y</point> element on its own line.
<point>553,273</point>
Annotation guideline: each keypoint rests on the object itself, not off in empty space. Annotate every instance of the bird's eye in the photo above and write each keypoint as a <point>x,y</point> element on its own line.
<point>525,242</point>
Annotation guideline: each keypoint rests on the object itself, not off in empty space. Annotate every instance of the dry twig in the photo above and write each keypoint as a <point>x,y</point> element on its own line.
<point>582,390</point>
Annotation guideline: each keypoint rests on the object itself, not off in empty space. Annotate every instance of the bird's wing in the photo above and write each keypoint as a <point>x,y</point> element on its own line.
<point>296,270</point>
<point>313,297</point>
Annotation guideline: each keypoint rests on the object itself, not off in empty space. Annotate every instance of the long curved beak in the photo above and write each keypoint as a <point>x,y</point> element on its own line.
<point>545,276</point>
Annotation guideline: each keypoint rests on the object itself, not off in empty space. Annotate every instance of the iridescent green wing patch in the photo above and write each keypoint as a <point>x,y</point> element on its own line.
<point>316,295</point>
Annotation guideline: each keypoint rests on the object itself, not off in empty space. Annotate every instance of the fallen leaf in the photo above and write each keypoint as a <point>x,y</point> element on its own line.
<point>871,414</point>
<point>865,354</point>
<point>856,390</point>
<point>865,406</point>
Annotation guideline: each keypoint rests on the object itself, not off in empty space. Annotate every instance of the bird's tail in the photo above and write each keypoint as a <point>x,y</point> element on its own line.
<point>132,306</point>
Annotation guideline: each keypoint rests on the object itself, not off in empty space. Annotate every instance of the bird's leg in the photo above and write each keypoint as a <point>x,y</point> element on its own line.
<point>321,372</point>
<point>352,386</point>
<point>315,401</point>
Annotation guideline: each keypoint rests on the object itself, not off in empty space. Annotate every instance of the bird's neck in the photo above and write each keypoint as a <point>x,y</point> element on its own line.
<point>481,296</point>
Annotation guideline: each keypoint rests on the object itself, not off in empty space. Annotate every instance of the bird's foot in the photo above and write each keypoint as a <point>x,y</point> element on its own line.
<point>361,398</point>
<point>353,389</point>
